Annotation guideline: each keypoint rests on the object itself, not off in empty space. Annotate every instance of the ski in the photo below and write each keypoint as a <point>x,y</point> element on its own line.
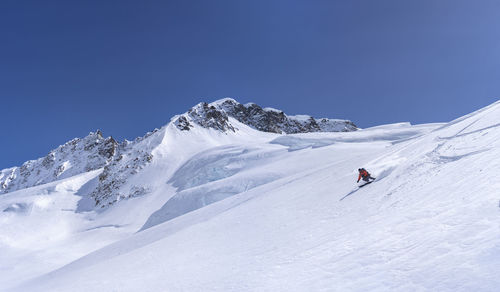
<point>365,184</point>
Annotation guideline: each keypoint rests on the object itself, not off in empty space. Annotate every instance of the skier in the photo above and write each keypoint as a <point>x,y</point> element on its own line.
<point>365,175</point>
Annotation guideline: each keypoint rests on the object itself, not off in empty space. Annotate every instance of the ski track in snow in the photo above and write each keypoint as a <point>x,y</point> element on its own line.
<point>253,211</point>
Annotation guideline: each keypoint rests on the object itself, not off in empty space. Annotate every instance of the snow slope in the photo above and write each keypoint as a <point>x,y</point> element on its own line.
<point>254,211</point>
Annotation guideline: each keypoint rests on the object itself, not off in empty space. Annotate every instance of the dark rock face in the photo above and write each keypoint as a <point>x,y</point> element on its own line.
<point>215,116</point>
<point>108,148</point>
<point>254,116</point>
<point>129,158</point>
<point>116,174</point>
<point>207,116</point>
<point>327,125</point>
<point>183,124</point>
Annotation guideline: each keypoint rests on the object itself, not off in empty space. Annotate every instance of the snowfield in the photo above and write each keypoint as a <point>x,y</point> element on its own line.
<point>256,211</point>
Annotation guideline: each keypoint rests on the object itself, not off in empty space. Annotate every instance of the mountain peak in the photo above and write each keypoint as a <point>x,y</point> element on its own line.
<point>216,115</point>
<point>224,100</point>
<point>73,157</point>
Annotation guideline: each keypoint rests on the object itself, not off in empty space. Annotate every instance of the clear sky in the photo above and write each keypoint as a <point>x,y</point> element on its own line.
<point>126,67</point>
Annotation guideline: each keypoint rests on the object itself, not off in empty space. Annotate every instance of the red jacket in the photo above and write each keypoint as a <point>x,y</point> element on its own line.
<point>363,173</point>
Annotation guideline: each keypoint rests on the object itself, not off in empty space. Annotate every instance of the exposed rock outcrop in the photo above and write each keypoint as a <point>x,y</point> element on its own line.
<point>74,157</point>
<point>215,115</point>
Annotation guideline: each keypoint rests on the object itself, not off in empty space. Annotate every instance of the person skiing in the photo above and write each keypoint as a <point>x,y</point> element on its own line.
<point>365,175</point>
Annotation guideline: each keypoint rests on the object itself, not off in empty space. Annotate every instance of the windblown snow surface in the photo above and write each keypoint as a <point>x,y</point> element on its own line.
<point>254,211</point>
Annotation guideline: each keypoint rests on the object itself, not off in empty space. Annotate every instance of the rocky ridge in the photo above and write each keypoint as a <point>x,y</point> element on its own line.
<point>132,156</point>
<point>74,157</point>
<point>215,115</point>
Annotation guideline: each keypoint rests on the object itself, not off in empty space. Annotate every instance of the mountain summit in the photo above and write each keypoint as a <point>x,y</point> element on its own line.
<point>215,115</point>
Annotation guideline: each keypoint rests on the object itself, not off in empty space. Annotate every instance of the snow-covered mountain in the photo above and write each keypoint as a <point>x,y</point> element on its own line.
<point>74,157</point>
<point>124,160</point>
<point>222,199</point>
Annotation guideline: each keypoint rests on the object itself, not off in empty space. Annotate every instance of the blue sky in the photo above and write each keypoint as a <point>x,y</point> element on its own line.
<point>126,67</point>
